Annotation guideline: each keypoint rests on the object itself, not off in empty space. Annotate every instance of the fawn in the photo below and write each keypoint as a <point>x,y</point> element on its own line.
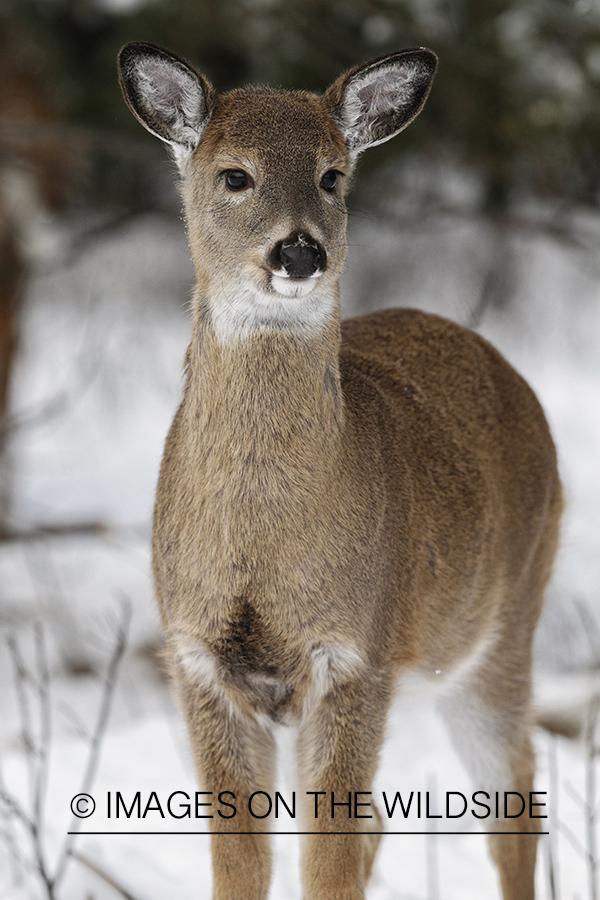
<point>340,503</point>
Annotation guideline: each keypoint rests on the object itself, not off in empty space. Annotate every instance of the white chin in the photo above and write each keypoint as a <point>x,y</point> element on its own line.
<point>293,287</point>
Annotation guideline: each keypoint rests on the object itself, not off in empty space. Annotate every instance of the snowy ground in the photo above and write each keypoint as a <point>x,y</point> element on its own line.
<point>97,384</point>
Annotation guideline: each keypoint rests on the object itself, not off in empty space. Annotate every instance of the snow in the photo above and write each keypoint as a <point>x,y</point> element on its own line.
<point>98,380</point>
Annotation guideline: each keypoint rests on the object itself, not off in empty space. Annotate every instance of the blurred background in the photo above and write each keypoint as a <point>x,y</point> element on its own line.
<point>486,210</point>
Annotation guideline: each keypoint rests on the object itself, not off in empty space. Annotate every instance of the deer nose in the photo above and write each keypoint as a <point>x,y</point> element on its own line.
<point>301,255</point>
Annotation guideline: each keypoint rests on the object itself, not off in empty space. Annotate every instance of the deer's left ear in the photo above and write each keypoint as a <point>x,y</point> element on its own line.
<point>375,101</point>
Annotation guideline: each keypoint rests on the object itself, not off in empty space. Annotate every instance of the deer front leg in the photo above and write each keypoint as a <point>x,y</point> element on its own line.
<point>232,752</point>
<point>338,751</point>
<point>489,723</point>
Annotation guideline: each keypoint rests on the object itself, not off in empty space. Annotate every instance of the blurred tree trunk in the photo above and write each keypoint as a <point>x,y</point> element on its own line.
<point>29,159</point>
<point>12,275</point>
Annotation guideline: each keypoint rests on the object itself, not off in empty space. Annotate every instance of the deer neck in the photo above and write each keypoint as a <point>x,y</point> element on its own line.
<point>265,410</point>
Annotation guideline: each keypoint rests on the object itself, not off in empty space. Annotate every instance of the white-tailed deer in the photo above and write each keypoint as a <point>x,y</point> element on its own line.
<point>339,504</point>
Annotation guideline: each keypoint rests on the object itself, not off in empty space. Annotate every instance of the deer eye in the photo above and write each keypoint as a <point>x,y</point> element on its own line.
<point>237,180</point>
<point>329,180</point>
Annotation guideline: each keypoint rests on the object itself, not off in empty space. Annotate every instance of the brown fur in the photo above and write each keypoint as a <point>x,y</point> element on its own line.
<point>338,506</point>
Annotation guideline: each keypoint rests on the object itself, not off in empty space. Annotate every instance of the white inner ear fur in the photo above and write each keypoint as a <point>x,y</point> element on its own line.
<point>175,97</point>
<point>372,96</point>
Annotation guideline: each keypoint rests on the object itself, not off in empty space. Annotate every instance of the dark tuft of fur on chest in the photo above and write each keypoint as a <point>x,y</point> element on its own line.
<point>253,659</point>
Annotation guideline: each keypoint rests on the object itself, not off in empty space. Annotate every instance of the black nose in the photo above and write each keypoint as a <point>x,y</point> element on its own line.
<point>300,255</point>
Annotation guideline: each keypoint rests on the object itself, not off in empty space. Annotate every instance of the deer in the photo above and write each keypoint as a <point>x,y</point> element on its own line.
<point>342,505</point>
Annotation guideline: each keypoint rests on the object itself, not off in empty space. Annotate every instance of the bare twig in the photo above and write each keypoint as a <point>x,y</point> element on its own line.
<point>587,803</point>
<point>101,873</point>
<point>76,722</point>
<point>62,402</point>
<point>13,805</point>
<point>572,839</point>
<point>43,689</point>
<point>87,238</point>
<point>559,226</point>
<point>574,793</point>
<point>431,848</point>
<point>110,680</point>
<point>36,835</point>
<point>85,366</point>
<point>45,577</point>
<point>8,832</point>
<point>37,753</point>
<point>550,843</point>
<point>21,676</point>
<point>495,288</point>
<point>590,796</point>
<point>63,530</point>
<point>589,626</point>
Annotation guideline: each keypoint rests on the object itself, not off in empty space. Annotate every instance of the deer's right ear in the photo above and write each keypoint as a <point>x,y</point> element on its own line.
<point>166,94</point>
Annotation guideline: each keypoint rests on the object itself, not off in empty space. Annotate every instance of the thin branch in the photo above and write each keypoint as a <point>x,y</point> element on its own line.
<point>37,756</point>
<point>18,137</point>
<point>110,681</point>
<point>63,530</point>
<point>85,366</point>
<point>115,223</point>
<point>75,721</point>
<point>573,839</point>
<point>101,873</point>
<point>21,676</point>
<point>8,833</point>
<point>590,794</point>
<point>36,839</point>
<point>551,851</point>
<point>431,849</point>
<point>589,625</point>
<point>43,689</point>
<point>557,227</point>
<point>45,577</point>
<point>11,802</point>
<point>7,836</point>
<point>574,794</point>
<point>58,405</point>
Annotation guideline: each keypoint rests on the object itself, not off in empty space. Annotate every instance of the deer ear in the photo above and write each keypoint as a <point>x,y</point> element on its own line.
<point>166,94</point>
<point>375,101</point>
